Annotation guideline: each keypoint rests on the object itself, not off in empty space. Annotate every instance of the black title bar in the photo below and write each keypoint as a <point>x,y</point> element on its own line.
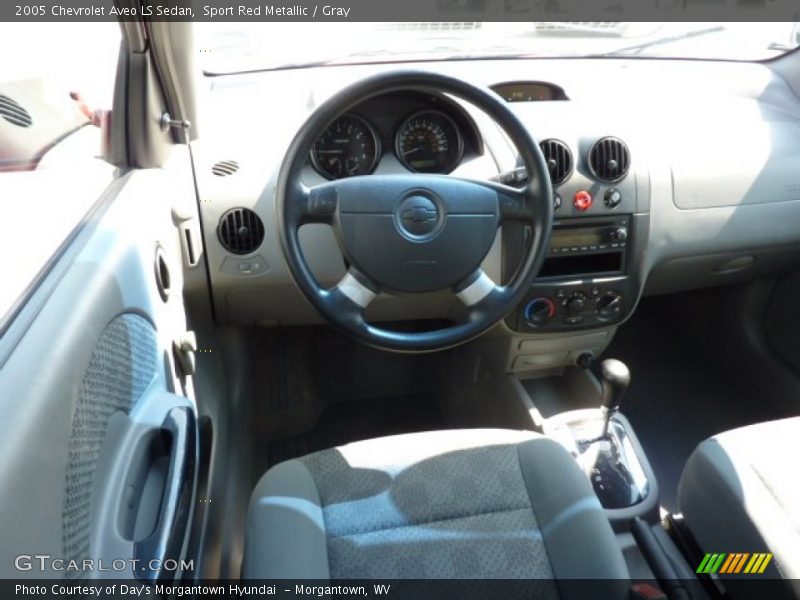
<point>400,10</point>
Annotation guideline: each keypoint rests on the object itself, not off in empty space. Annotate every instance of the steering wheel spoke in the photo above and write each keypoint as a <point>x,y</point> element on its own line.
<point>357,288</point>
<point>476,288</point>
<point>348,300</point>
<point>516,204</point>
<point>321,203</point>
<point>316,204</point>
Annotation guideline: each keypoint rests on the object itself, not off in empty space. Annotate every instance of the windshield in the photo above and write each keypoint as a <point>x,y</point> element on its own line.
<point>231,47</point>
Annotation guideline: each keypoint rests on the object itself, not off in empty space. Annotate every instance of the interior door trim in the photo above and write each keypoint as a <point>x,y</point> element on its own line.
<point>23,312</point>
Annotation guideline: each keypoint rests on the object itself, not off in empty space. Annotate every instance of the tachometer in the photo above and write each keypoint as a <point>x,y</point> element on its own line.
<point>429,142</point>
<point>348,147</point>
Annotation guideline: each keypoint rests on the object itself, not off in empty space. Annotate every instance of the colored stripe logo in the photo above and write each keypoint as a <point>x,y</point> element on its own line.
<point>734,563</point>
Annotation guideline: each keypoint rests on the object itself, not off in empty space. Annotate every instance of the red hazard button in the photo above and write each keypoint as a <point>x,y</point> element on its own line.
<point>582,200</point>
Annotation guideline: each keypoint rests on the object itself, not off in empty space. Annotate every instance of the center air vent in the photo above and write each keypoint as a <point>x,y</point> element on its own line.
<point>14,113</point>
<point>609,159</point>
<point>224,168</point>
<point>559,160</point>
<point>240,231</point>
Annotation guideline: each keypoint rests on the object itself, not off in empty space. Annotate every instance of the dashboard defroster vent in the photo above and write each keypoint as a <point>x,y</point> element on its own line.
<point>224,168</point>
<point>241,231</point>
<point>14,112</point>
<point>559,160</point>
<point>609,159</point>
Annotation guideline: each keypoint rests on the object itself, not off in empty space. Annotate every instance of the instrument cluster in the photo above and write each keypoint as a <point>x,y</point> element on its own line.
<point>423,139</point>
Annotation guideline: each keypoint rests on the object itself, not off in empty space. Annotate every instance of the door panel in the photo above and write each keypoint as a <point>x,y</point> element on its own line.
<point>88,376</point>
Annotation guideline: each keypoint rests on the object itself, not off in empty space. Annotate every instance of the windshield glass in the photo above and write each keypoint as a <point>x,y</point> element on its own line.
<point>231,47</point>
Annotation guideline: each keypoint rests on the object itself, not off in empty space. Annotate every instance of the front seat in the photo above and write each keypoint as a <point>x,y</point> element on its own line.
<point>740,494</point>
<point>458,504</point>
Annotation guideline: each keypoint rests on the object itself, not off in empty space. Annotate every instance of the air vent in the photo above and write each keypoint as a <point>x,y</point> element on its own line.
<point>224,168</point>
<point>240,231</point>
<point>559,160</point>
<point>14,113</point>
<point>609,159</point>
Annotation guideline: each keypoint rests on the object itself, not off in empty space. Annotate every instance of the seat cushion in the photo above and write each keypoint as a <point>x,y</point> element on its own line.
<point>740,492</point>
<point>446,504</point>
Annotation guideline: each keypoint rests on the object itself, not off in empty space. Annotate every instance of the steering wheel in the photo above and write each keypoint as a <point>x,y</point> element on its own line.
<point>413,233</point>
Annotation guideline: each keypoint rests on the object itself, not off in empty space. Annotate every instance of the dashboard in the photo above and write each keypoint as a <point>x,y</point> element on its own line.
<point>656,190</point>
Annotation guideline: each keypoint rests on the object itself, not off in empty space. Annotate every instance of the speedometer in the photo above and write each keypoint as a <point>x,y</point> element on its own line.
<point>429,142</point>
<point>348,147</point>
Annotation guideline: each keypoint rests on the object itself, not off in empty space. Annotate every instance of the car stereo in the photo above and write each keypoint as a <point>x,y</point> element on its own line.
<point>605,235</point>
<point>587,247</point>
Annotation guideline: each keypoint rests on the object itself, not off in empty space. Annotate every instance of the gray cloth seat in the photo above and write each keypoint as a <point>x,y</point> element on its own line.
<point>458,504</point>
<point>740,492</point>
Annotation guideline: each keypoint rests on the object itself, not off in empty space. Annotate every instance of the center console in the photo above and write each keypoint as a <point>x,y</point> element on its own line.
<point>584,281</point>
<point>589,283</point>
<point>592,275</point>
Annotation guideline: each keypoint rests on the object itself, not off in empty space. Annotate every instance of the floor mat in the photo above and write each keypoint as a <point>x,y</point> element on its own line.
<point>678,395</point>
<point>355,420</point>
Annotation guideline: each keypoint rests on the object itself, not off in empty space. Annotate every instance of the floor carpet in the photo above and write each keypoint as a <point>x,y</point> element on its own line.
<point>355,420</point>
<point>678,395</point>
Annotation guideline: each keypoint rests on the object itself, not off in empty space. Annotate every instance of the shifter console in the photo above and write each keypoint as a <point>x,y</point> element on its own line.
<point>604,446</point>
<point>612,466</point>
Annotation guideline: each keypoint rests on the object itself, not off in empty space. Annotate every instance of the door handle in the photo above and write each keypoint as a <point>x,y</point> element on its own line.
<point>166,540</point>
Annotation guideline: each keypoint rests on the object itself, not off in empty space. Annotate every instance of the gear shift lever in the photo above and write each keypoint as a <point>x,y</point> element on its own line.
<point>615,379</point>
<point>609,460</point>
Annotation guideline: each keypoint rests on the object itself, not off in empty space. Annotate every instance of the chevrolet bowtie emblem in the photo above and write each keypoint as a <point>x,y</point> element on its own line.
<point>420,214</point>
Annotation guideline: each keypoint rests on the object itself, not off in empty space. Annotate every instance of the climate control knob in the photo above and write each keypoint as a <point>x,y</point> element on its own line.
<point>575,303</point>
<point>609,306</point>
<point>539,311</point>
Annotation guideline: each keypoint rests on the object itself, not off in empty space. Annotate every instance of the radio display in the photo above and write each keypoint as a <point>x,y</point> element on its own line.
<point>581,238</point>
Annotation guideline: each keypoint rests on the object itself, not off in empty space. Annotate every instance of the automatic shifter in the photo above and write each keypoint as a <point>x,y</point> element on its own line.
<point>608,459</point>
<point>615,379</point>
<point>601,442</point>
